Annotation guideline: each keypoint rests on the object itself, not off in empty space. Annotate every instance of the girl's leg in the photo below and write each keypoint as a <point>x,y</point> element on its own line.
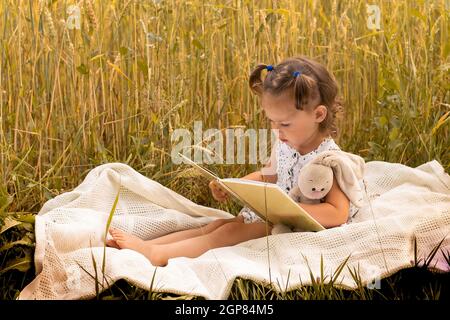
<point>184,234</point>
<point>191,233</point>
<point>228,234</point>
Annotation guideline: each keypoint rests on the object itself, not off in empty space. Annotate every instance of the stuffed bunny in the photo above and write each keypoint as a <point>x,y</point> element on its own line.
<point>314,182</point>
<point>316,178</point>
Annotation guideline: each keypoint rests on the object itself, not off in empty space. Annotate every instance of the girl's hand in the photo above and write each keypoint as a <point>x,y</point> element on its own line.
<point>218,193</point>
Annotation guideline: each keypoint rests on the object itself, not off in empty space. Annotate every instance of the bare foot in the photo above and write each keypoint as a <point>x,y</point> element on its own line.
<point>110,242</point>
<point>123,240</point>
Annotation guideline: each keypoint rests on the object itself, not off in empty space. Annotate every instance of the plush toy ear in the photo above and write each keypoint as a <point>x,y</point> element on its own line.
<point>348,168</point>
<point>350,165</point>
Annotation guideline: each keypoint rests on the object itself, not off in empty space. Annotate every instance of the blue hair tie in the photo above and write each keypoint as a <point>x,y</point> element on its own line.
<point>269,67</point>
<point>296,73</point>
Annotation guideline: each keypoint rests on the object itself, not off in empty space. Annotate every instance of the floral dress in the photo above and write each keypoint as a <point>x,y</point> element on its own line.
<point>288,164</point>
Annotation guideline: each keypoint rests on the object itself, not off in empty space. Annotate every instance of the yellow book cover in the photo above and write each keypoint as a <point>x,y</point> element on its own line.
<point>267,200</point>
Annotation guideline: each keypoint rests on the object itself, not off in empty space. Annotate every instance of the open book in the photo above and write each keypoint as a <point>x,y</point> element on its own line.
<point>267,200</point>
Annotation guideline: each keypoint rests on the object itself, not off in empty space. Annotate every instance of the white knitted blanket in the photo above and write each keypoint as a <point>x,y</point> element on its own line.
<point>401,203</point>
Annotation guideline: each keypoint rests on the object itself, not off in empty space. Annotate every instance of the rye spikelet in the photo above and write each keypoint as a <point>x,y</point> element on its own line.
<point>50,24</point>
<point>219,93</point>
<point>90,14</point>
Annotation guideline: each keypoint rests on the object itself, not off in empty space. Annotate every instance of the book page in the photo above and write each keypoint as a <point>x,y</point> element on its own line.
<point>271,203</point>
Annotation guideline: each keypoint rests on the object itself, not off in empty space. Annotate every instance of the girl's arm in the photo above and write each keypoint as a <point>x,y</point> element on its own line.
<point>258,176</point>
<point>334,211</point>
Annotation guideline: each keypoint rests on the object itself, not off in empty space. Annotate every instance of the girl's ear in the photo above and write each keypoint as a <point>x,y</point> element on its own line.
<point>320,113</point>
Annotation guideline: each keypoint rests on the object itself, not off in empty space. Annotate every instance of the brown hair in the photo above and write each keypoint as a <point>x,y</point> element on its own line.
<point>313,80</point>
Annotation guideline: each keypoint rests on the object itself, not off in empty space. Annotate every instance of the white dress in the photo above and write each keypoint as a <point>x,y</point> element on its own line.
<point>288,164</point>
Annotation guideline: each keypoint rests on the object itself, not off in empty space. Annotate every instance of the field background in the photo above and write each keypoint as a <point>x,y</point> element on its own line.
<point>115,89</point>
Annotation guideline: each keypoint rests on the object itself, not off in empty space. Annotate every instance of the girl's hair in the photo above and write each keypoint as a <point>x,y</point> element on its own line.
<point>313,80</point>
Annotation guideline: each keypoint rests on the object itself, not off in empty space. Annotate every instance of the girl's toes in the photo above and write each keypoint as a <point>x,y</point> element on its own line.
<point>119,238</point>
<point>113,230</point>
<point>117,232</point>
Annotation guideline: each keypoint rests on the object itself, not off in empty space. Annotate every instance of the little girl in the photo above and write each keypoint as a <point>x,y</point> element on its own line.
<point>299,98</point>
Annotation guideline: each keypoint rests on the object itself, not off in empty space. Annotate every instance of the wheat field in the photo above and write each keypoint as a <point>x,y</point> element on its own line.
<point>114,87</point>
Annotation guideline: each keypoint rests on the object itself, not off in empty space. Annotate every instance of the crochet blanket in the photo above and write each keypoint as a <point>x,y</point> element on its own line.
<point>401,204</point>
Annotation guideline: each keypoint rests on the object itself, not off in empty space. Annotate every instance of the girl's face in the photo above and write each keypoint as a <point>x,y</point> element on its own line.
<point>295,127</point>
